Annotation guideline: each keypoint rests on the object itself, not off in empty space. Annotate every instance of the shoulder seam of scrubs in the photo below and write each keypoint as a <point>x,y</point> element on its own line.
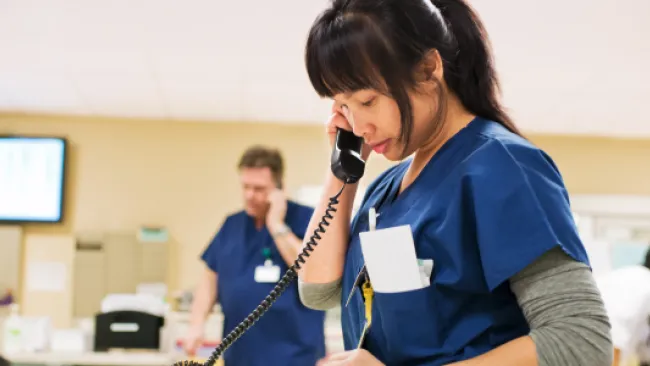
<point>508,151</point>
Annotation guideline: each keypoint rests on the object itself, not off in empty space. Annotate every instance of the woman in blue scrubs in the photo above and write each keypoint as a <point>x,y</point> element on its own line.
<point>508,280</point>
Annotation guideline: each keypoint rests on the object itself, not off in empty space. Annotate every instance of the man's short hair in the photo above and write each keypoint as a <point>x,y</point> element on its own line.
<point>259,156</point>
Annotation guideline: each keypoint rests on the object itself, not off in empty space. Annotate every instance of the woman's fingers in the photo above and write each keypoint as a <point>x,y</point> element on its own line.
<point>348,115</point>
<point>335,359</point>
<point>337,120</point>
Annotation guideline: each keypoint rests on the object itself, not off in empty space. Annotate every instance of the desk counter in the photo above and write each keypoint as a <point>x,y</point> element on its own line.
<point>94,358</point>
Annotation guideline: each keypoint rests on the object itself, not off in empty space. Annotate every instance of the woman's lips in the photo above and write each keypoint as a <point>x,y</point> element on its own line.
<point>381,147</point>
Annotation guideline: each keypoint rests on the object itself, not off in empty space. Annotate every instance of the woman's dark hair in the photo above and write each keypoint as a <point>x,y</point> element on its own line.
<point>379,44</point>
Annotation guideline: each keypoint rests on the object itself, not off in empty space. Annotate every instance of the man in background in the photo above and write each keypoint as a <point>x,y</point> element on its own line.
<point>245,260</point>
<point>626,294</point>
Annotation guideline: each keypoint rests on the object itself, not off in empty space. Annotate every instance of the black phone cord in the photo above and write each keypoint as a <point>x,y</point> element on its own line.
<point>290,275</point>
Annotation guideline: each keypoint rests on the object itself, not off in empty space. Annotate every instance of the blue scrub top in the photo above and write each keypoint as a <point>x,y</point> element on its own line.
<point>289,333</point>
<point>487,205</point>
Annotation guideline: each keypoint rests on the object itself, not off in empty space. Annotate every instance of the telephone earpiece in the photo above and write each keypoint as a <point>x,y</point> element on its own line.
<point>347,164</point>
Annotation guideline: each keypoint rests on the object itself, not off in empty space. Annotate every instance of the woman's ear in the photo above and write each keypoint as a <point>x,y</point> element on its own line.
<point>430,73</point>
<point>431,66</point>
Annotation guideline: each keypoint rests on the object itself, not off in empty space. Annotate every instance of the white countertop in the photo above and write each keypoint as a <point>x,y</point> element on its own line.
<point>94,358</point>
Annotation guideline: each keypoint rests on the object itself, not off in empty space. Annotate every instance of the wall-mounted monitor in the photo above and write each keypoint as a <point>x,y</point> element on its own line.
<point>32,179</point>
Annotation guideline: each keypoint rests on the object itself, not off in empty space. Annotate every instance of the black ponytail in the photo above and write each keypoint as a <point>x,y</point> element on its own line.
<point>469,65</point>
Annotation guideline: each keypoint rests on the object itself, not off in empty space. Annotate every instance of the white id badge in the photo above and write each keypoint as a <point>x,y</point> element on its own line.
<point>268,273</point>
<point>391,261</point>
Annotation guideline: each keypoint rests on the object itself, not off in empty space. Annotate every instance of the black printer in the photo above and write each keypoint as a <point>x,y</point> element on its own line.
<point>127,329</point>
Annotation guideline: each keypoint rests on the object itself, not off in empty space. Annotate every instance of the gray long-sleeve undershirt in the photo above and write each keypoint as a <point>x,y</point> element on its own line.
<point>558,297</point>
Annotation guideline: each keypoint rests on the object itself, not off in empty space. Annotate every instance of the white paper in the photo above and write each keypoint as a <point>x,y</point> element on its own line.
<point>426,267</point>
<point>390,258</point>
<point>145,303</point>
<point>46,276</point>
<point>157,289</point>
<point>35,333</point>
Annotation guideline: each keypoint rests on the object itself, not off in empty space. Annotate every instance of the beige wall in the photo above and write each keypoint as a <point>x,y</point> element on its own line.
<point>182,175</point>
<point>598,165</point>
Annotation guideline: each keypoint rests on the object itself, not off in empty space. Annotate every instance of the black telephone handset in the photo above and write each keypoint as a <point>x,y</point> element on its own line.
<point>346,161</point>
<point>348,166</point>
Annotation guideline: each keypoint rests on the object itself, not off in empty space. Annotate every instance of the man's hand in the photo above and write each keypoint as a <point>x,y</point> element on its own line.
<point>358,357</point>
<point>193,340</point>
<point>277,209</point>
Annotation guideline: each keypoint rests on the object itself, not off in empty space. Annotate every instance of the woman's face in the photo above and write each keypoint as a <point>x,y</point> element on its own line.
<point>376,117</point>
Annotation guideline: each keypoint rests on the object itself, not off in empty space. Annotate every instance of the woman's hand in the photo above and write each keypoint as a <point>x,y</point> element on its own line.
<point>341,118</point>
<point>358,357</point>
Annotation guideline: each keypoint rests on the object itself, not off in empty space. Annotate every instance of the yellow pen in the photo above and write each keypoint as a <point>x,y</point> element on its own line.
<point>367,291</point>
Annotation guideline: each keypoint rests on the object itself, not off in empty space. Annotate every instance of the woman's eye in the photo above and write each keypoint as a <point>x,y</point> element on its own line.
<point>369,102</point>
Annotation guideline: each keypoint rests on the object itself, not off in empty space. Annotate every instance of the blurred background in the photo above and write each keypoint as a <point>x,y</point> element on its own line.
<point>158,99</point>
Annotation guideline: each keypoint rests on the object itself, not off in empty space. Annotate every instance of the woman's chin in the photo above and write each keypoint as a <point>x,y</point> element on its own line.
<point>392,155</point>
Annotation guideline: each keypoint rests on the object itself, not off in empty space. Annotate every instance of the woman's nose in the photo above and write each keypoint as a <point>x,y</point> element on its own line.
<point>358,127</point>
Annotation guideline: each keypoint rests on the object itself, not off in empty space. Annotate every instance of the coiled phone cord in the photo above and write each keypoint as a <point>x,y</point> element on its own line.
<point>284,283</point>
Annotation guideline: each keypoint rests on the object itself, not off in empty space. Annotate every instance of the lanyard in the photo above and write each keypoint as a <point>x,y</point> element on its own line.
<point>367,291</point>
<point>266,252</point>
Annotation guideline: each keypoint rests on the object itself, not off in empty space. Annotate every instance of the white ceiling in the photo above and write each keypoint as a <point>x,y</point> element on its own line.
<point>574,66</point>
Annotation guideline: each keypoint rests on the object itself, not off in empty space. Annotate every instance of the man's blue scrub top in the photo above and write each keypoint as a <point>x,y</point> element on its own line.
<point>485,206</point>
<point>289,333</point>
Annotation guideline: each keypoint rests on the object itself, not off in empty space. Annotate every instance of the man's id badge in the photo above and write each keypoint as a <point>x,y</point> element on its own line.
<point>268,273</point>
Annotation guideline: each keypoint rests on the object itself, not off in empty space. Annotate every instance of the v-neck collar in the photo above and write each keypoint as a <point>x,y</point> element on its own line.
<point>390,197</point>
